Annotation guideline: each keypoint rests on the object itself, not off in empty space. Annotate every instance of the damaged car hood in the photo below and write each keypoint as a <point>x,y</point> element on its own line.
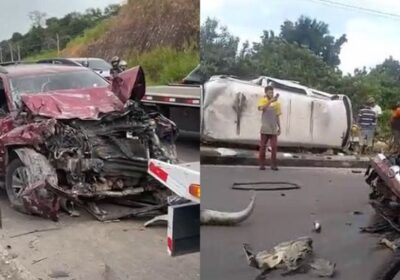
<point>89,103</point>
<point>70,104</point>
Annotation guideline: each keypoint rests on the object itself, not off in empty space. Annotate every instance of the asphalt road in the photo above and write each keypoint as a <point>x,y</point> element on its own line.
<point>327,195</point>
<point>87,249</point>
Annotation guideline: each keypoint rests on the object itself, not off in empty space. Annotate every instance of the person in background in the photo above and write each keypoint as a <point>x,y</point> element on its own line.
<point>116,69</point>
<point>367,121</point>
<point>270,126</point>
<point>123,65</point>
<point>395,125</point>
<point>375,107</point>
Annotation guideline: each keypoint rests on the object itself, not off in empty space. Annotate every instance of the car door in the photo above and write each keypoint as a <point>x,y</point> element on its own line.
<point>129,84</point>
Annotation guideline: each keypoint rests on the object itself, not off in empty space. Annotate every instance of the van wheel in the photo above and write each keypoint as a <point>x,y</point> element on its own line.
<point>16,176</point>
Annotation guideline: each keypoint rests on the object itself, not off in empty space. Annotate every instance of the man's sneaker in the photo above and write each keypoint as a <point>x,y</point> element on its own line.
<point>262,167</point>
<point>274,168</point>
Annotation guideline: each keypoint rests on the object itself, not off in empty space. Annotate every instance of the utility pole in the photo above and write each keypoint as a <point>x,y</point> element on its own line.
<point>11,52</point>
<point>58,45</point>
<point>19,53</point>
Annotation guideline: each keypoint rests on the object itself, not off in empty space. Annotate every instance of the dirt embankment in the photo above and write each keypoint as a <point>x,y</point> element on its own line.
<point>143,25</point>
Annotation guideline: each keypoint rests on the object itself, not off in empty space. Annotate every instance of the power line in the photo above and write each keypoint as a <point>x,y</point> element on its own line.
<point>357,8</point>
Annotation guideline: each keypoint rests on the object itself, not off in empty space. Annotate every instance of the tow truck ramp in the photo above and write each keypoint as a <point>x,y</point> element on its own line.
<point>183,234</point>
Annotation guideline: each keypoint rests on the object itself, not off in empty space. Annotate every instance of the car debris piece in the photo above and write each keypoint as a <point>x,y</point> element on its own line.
<point>316,227</point>
<point>39,260</point>
<point>212,217</point>
<point>34,231</point>
<point>291,256</point>
<point>161,218</point>
<point>323,268</point>
<point>58,274</point>
<point>265,186</point>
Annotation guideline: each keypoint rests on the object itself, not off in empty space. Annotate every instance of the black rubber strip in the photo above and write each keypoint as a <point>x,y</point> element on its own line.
<point>242,186</point>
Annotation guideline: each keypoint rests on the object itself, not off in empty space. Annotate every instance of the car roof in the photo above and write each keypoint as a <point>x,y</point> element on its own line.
<point>85,58</point>
<point>29,69</point>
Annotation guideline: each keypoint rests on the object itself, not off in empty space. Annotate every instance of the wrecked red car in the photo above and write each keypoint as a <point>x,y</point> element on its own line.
<point>70,138</point>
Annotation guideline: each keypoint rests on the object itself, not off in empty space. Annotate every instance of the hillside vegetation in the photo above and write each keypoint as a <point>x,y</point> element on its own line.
<point>161,36</point>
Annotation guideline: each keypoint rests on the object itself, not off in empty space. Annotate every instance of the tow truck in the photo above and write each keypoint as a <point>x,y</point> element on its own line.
<point>180,102</point>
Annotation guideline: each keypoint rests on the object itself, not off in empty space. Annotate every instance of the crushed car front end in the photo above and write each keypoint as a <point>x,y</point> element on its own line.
<point>87,148</point>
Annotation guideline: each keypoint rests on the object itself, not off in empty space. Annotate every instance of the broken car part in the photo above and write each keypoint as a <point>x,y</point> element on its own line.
<point>265,186</point>
<point>384,179</point>
<point>212,217</point>
<point>291,256</point>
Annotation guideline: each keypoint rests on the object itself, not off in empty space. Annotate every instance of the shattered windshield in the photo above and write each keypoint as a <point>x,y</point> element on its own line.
<point>39,83</point>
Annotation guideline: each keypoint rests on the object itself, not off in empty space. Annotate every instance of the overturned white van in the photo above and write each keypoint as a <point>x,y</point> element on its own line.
<point>310,118</point>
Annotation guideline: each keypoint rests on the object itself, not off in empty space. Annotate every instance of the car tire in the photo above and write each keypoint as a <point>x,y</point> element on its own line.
<point>12,171</point>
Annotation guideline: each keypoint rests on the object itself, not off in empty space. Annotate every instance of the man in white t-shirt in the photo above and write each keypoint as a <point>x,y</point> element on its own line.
<point>375,107</point>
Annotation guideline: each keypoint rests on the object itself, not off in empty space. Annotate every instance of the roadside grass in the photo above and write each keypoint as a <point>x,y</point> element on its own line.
<point>90,35</point>
<point>164,65</point>
<point>42,55</point>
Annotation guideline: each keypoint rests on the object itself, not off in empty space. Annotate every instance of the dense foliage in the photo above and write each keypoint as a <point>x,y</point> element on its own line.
<point>44,32</point>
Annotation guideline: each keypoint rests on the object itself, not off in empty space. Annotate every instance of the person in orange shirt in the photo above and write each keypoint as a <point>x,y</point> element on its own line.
<point>395,125</point>
<point>270,126</point>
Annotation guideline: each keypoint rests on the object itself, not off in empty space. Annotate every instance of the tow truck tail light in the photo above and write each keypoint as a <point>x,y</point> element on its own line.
<point>159,172</point>
<point>195,190</point>
<point>169,244</point>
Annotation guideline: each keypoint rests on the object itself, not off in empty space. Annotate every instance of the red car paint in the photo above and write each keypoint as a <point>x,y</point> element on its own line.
<point>87,103</point>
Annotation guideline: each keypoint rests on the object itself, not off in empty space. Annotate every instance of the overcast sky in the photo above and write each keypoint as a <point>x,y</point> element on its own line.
<point>371,38</point>
<point>14,13</point>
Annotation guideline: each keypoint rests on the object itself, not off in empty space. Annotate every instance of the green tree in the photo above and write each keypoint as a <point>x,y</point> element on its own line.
<point>314,35</point>
<point>111,10</point>
<point>218,48</point>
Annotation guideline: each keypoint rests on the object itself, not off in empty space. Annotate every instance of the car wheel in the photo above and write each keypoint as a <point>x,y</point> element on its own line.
<point>16,183</point>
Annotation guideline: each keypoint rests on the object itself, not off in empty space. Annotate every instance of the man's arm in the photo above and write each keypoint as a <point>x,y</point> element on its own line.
<point>262,107</point>
<point>270,101</point>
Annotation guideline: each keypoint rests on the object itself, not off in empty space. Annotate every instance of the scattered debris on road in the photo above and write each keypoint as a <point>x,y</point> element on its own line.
<point>291,256</point>
<point>39,260</point>
<point>316,227</point>
<point>34,231</point>
<point>265,186</point>
<point>323,268</point>
<point>212,217</point>
<point>393,245</point>
<point>58,274</point>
